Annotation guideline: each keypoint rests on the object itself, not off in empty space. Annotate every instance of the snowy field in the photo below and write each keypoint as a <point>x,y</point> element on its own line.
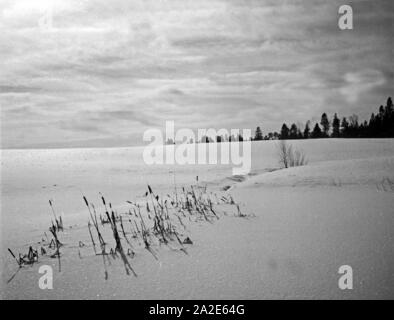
<point>302,224</point>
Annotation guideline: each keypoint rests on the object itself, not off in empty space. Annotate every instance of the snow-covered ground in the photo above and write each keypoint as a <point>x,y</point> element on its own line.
<point>303,224</point>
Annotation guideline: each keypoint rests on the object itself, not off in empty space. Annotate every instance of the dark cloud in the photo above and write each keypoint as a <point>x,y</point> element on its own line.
<point>81,126</point>
<point>129,116</point>
<point>17,89</point>
<point>210,42</point>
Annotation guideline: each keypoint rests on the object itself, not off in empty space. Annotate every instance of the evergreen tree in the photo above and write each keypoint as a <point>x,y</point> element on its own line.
<point>293,134</point>
<point>316,133</point>
<point>325,124</point>
<point>335,126</point>
<point>390,117</point>
<point>372,128</point>
<point>299,134</point>
<point>344,127</point>
<point>284,132</point>
<point>381,112</point>
<point>354,131</point>
<point>307,130</point>
<point>389,105</point>
<point>387,122</point>
<point>258,135</point>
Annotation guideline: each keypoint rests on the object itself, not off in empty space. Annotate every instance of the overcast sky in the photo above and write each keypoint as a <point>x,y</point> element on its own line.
<point>108,70</point>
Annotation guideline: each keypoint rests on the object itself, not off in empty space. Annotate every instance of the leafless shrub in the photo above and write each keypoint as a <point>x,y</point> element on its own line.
<point>289,157</point>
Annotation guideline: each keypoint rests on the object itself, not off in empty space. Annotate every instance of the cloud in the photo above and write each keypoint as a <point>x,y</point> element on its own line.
<point>361,82</point>
<point>4,89</point>
<point>106,71</point>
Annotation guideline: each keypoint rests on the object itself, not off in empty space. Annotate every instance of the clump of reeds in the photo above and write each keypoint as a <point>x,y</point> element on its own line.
<point>55,243</point>
<point>32,255</point>
<point>149,224</point>
<point>58,222</point>
<point>29,258</point>
<point>239,213</point>
<point>119,247</point>
<point>93,219</point>
<point>25,259</point>
<point>111,218</point>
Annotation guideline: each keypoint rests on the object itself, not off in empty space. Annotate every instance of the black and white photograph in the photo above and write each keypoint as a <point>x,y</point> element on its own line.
<point>216,150</point>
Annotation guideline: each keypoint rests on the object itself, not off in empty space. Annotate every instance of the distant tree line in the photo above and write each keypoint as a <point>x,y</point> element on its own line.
<point>206,139</point>
<point>380,125</point>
